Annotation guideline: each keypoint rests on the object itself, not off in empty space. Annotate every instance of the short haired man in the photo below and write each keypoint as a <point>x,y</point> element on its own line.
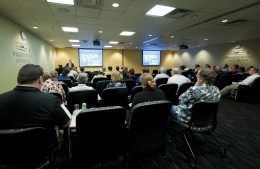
<point>162,74</point>
<point>26,106</point>
<point>177,77</point>
<point>82,80</point>
<point>253,72</point>
<point>70,64</point>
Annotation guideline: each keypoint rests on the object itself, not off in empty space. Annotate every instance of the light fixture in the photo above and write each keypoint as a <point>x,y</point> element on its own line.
<point>75,45</point>
<point>107,46</point>
<point>113,42</point>
<point>172,36</point>
<point>160,10</point>
<point>35,27</point>
<point>67,2</point>
<point>150,35</point>
<point>69,29</point>
<point>127,33</point>
<point>115,5</point>
<point>100,31</point>
<point>206,39</point>
<point>51,40</point>
<point>224,21</point>
<point>71,40</point>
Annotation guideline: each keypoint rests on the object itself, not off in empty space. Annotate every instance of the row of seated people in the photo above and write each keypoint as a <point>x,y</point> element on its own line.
<point>36,109</point>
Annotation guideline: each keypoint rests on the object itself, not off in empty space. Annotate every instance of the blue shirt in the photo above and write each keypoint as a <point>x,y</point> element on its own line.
<point>118,84</point>
<point>190,97</point>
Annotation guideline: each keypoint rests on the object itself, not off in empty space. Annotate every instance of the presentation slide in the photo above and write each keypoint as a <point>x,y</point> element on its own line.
<point>90,57</point>
<point>151,58</point>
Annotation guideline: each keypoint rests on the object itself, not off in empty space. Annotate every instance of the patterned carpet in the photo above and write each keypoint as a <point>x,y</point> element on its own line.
<point>238,130</point>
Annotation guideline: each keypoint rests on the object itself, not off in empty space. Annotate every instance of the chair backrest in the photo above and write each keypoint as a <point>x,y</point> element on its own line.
<point>236,77</point>
<point>75,84</point>
<point>108,77</point>
<point>148,125</point>
<point>183,87</point>
<point>67,81</point>
<point>65,88</point>
<point>99,134</point>
<point>101,85</point>
<point>224,80</point>
<point>130,84</point>
<point>24,148</point>
<point>204,113</point>
<point>56,94</point>
<point>97,80</point>
<point>115,97</point>
<point>161,81</point>
<point>78,97</point>
<point>185,73</point>
<point>135,90</point>
<point>170,91</point>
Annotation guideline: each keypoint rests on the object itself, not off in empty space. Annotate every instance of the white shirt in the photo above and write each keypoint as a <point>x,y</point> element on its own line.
<point>159,76</point>
<point>249,80</point>
<point>80,87</point>
<point>178,79</point>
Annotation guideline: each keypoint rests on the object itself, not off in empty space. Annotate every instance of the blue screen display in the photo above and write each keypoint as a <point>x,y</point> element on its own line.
<point>151,58</point>
<point>90,57</point>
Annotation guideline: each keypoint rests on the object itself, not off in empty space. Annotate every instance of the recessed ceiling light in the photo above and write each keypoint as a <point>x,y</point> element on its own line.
<point>172,36</point>
<point>69,29</point>
<point>115,5</point>
<point>75,45</point>
<point>160,10</point>
<point>194,16</point>
<point>71,40</point>
<point>223,21</point>
<point>113,42</point>
<point>51,40</point>
<point>126,33</point>
<point>100,31</point>
<point>107,46</point>
<point>150,35</point>
<point>35,27</point>
<point>136,47</point>
<point>67,2</point>
<point>130,43</point>
<point>233,41</point>
<point>205,39</point>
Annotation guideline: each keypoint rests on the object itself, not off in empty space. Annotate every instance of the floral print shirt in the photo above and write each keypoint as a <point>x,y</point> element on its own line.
<point>53,86</point>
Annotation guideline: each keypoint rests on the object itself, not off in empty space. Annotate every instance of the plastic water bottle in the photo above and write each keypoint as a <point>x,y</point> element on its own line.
<point>84,107</point>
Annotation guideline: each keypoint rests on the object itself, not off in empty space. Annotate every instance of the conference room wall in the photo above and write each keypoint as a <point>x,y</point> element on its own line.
<point>16,52</point>
<point>247,54</point>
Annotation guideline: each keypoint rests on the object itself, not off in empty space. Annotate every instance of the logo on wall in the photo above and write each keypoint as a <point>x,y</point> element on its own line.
<point>237,55</point>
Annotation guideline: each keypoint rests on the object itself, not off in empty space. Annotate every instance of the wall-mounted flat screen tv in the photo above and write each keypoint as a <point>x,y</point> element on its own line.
<point>151,57</point>
<point>90,57</point>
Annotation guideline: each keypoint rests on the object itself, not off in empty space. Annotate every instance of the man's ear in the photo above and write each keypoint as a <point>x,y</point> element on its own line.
<point>40,80</point>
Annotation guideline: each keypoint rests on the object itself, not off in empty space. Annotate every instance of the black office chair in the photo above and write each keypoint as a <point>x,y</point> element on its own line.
<point>170,91</point>
<point>115,97</point>
<point>101,85</point>
<point>25,148</point>
<point>130,84</point>
<point>147,127</point>
<point>224,80</point>
<point>97,80</point>
<point>203,120</point>
<point>56,94</point>
<point>67,81</point>
<point>235,77</point>
<point>161,81</point>
<point>78,97</point>
<point>65,88</point>
<point>246,93</point>
<point>99,135</point>
<point>183,87</point>
<point>135,90</point>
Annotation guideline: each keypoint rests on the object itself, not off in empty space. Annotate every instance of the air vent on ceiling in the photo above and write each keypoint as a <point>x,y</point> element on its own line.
<point>183,46</point>
<point>236,22</point>
<point>88,3</point>
<point>178,13</point>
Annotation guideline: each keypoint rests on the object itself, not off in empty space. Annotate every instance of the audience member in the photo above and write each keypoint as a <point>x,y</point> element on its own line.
<point>177,77</point>
<point>116,77</point>
<point>253,74</point>
<point>132,73</point>
<point>149,93</point>
<point>162,74</point>
<point>100,74</point>
<point>26,106</point>
<point>203,90</point>
<point>64,74</point>
<point>225,68</point>
<point>73,72</point>
<point>194,73</point>
<point>234,68</point>
<point>70,64</point>
<point>145,70</point>
<point>52,86</point>
<point>82,80</point>
<point>207,66</point>
<point>117,69</point>
<point>219,73</point>
<point>109,72</point>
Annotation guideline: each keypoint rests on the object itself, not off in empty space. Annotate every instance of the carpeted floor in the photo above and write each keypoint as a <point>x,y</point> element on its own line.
<point>238,130</point>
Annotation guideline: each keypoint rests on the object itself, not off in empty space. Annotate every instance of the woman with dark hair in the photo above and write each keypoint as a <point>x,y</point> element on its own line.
<point>64,74</point>
<point>203,90</point>
<point>150,92</point>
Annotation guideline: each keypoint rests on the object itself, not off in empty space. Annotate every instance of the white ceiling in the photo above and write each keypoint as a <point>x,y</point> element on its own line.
<point>130,16</point>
